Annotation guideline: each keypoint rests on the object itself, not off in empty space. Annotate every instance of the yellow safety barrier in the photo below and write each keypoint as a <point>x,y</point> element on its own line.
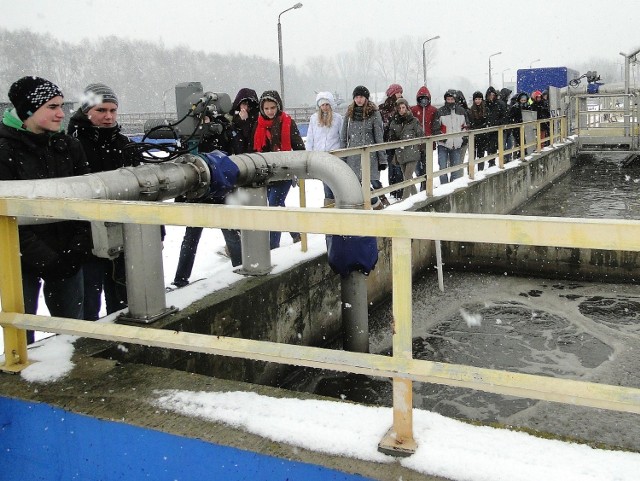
<point>556,134</point>
<point>401,227</point>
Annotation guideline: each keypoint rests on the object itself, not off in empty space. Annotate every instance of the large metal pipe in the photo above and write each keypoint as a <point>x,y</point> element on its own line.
<point>274,166</point>
<point>343,182</point>
<point>190,174</point>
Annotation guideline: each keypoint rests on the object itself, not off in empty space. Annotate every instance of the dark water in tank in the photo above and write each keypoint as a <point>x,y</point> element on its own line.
<point>605,185</point>
<point>585,331</point>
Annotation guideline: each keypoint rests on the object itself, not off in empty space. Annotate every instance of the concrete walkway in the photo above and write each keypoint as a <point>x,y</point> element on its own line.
<point>108,390</point>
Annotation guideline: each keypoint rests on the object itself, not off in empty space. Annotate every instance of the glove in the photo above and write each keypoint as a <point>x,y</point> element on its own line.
<point>64,266</point>
<point>294,181</point>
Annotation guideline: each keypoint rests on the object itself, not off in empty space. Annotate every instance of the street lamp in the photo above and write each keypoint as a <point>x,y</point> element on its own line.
<point>506,69</point>
<point>424,58</point>
<point>534,61</point>
<point>492,55</point>
<point>164,100</point>
<point>297,5</point>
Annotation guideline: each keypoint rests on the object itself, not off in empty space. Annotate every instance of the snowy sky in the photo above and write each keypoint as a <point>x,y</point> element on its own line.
<point>446,447</point>
<point>557,33</point>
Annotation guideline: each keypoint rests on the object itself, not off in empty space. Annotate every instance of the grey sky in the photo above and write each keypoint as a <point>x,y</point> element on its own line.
<point>559,33</point>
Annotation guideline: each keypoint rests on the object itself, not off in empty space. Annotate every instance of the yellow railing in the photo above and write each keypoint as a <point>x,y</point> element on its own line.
<point>557,130</point>
<point>401,227</point>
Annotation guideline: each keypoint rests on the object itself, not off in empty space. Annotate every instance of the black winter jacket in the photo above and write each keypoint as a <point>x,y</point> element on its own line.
<point>103,146</point>
<point>54,250</point>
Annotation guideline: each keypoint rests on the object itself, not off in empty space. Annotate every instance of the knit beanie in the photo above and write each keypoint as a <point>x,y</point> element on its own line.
<point>402,101</point>
<point>96,94</point>
<point>393,89</point>
<point>361,90</point>
<point>28,94</point>
<point>477,95</point>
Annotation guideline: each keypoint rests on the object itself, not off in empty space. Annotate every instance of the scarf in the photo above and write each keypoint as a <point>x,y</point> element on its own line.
<point>264,135</point>
<point>358,113</point>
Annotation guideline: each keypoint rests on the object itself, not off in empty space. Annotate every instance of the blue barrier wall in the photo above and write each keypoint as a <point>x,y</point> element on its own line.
<point>41,442</point>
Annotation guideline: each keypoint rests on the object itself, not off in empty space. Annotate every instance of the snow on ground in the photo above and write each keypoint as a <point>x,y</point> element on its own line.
<point>446,447</point>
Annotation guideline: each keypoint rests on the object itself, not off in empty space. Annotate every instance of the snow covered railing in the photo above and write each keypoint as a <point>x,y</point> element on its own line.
<point>401,227</point>
<point>557,127</point>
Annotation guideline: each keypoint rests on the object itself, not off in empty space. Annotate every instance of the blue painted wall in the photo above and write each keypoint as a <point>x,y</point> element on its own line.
<point>41,442</point>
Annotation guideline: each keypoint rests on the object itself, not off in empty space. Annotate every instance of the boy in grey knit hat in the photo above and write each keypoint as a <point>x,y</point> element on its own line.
<point>95,94</point>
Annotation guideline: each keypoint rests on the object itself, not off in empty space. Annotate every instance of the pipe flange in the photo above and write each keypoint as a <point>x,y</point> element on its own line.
<point>204,175</point>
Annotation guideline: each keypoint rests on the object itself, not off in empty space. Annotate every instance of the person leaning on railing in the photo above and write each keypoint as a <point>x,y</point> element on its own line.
<point>496,113</point>
<point>95,125</point>
<point>515,117</point>
<point>34,146</point>
<point>451,118</point>
<point>363,126</point>
<point>324,132</point>
<point>425,113</point>
<point>405,126</point>
<point>541,107</point>
<point>478,118</point>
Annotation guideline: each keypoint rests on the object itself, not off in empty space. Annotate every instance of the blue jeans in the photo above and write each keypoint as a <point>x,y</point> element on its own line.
<point>508,144</point>
<point>108,275</point>
<point>375,184</point>
<point>327,192</point>
<point>189,248</point>
<point>64,297</point>
<point>276,195</point>
<point>449,158</point>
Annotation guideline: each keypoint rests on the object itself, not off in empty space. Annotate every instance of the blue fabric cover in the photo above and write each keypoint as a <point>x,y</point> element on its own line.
<point>352,253</point>
<point>224,175</point>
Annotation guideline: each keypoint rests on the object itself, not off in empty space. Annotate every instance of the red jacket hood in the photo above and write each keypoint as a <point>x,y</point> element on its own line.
<point>423,92</point>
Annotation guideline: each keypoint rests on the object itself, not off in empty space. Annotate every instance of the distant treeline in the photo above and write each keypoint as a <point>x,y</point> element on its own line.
<point>143,74</point>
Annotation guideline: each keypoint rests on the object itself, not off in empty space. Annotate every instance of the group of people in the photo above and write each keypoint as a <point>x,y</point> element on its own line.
<point>400,121</point>
<point>57,257</point>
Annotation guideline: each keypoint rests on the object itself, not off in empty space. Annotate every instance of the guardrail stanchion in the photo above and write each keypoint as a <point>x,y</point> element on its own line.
<point>429,169</point>
<point>501,147</point>
<point>399,439</point>
<point>472,156</point>
<point>15,340</point>
<point>365,170</point>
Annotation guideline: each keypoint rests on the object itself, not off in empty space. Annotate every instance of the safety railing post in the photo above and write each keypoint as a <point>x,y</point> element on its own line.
<point>552,131</point>
<point>538,136</point>
<point>399,439</point>
<point>523,142</point>
<point>429,169</point>
<point>501,147</point>
<point>365,169</point>
<point>15,340</point>
<point>472,155</point>
<point>304,244</point>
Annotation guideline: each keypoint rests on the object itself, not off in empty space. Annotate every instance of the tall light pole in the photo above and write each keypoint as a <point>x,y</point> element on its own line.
<point>164,100</point>
<point>297,5</point>
<point>506,69</point>
<point>492,55</point>
<point>424,58</point>
<point>534,61</point>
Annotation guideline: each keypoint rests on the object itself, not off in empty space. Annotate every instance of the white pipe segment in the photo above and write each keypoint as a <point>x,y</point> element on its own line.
<point>343,182</point>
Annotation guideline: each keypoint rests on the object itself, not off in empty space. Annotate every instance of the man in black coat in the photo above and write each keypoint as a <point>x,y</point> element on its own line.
<point>95,125</point>
<point>496,113</point>
<point>34,146</point>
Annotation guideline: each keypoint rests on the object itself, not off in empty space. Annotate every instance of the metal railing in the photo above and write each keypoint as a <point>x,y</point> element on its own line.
<point>400,227</point>
<point>606,119</point>
<point>557,132</point>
